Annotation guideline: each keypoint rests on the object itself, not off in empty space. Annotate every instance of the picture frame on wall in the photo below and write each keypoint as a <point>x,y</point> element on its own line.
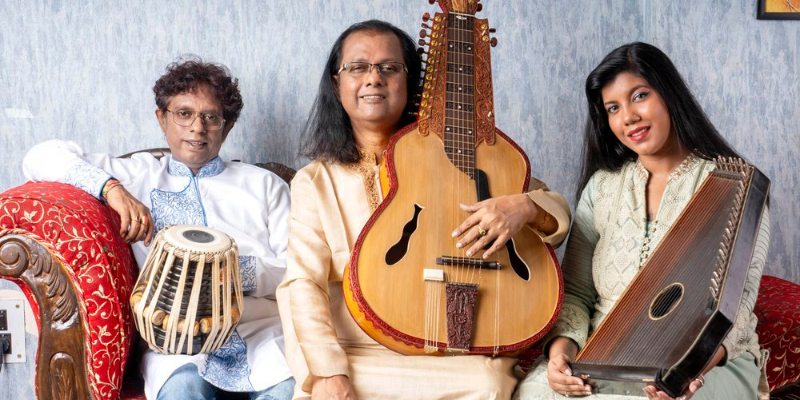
<point>779,9</point>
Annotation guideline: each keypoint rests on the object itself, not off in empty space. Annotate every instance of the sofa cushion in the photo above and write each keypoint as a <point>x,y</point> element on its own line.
<point>778,312</point>
<point>84,234</point>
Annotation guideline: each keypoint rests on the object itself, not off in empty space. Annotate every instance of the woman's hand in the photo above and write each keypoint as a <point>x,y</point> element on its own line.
<point>135,221</point>
<point>336,387</point>
<point>496,219</point>
<point>654,394</point>
<point>559,375</point>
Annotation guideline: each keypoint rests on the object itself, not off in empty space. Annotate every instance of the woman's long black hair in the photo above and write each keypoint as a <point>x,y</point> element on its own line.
<point>328,134</point>
<point>602,150</point>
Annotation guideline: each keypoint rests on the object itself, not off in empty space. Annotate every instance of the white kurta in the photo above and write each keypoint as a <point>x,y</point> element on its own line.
<point>248,203</point>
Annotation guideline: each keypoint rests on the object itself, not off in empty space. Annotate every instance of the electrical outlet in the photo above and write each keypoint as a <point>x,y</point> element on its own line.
<point>14,324</point>
<point>6,336</point>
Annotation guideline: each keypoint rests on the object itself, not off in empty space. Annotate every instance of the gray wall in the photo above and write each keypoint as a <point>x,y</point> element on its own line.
<point>84,70</point>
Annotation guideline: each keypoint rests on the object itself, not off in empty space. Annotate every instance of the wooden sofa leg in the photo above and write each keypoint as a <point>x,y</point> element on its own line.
<point>61,368</point>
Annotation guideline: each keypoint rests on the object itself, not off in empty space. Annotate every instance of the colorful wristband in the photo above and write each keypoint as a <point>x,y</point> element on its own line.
<point>110,184</point>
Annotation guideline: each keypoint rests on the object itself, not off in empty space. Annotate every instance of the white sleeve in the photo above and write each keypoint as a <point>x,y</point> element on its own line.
<point>66,162</point>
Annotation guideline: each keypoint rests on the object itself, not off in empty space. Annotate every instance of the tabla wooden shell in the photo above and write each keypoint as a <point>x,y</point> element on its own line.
<point>188,297</point>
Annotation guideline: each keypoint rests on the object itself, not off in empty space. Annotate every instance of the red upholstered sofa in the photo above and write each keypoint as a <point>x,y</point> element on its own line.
<point>61,247</point>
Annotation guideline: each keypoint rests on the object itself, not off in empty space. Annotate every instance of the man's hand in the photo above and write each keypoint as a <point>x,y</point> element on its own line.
<point>136,223</point>
<point>336,387</point>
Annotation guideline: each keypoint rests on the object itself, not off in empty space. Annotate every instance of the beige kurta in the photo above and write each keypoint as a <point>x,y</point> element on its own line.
<point>330,205</point>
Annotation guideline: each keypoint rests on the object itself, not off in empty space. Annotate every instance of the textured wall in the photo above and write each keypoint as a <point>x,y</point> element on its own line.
<point>84,71</point>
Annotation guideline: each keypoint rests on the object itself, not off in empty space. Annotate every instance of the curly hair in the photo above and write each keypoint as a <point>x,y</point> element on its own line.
<point>186,75</point>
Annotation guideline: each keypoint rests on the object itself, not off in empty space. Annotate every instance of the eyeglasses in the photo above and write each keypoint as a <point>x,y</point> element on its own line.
<point>210,121</point>
<point>385,69</point>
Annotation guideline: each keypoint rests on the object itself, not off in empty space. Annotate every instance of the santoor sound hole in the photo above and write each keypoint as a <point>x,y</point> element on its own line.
<point>198,236</point>
<point>666,301</point>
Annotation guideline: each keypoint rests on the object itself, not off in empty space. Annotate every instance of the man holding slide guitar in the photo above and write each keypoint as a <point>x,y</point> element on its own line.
<point>455,254</point>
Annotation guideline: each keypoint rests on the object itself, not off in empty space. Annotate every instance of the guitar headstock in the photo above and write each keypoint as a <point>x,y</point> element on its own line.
<point>457,80</point>
<point>469,7</point>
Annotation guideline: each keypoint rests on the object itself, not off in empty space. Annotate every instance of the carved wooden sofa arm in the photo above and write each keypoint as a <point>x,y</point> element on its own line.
<point>61,246</point>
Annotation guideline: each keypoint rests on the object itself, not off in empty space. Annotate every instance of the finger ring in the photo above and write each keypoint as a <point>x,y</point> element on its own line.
<point>700,378</point>
<point>481,231</point>
<point>143,219</point>
<point>566,394</point>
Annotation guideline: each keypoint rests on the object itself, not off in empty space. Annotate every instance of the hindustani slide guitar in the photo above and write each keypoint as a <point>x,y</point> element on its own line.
<point>407,285</point>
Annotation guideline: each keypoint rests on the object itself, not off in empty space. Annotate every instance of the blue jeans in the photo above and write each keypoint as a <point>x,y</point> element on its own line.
<point>186,384</point>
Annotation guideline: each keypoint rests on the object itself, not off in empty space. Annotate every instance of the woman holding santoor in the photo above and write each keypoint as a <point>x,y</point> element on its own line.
<point>648,148</point>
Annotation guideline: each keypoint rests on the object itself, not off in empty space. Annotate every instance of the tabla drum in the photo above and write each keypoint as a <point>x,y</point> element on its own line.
<point>188,298</point>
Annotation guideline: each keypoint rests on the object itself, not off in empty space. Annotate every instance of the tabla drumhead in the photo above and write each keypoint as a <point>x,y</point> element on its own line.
<point>197,238</point>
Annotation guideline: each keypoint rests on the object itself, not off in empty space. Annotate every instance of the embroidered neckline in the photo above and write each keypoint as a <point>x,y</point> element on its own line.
<point>366,167</point>
<point>682,168</point>
<point>212,168</point>
<point>368,158</point>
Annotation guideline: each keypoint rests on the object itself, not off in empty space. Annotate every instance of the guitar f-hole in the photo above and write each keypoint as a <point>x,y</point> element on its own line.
<point>519,267</point>
<point>399,249</point>
<point>516,262</point>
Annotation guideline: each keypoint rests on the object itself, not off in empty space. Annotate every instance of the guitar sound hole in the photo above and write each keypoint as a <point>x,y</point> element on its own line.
<point>666,301</point>
<point>399,249</point>
<point>516,262</point>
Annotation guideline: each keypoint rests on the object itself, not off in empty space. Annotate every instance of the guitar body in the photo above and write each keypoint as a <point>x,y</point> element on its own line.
<point>397,307</point>
<point>407,285</point>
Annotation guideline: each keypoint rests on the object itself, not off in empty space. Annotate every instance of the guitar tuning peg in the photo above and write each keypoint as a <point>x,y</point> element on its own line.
<point>492,30</point>
<point>493,42</point>
<point>422,42</point>
<point>432,2</point>
<point>420,51</point>
<point>426,17</point>
<point>426,26</point>
<point>479,8</point>
<point>423,33</point>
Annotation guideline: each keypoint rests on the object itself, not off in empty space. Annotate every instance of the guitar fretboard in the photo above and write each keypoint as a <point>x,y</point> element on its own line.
<point>460,105</point>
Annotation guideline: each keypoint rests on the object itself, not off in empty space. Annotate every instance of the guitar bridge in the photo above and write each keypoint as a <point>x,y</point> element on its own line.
<point>467,262</point>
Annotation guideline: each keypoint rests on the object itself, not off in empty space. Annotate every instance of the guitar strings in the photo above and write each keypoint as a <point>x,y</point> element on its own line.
<point>460,139</point>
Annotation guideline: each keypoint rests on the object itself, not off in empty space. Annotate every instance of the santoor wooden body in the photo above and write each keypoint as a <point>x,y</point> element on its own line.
<point>706,253</point>
<point>389,301</point>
